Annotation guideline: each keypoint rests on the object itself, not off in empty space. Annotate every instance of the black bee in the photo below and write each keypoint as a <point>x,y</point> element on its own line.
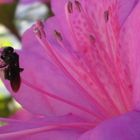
<point>12,69</point>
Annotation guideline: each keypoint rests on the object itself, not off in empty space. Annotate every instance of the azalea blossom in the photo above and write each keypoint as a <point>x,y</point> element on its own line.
<point>81,74</point>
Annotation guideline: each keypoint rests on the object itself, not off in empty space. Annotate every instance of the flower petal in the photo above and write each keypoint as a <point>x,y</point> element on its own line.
<point>94,41</point>
<point>48,91</point>
<point>81,66</point>
<point>130,42</point>
<point>125,9</point>
<point>125,127</point>
<point>65,127</point>
<point>22,114</point>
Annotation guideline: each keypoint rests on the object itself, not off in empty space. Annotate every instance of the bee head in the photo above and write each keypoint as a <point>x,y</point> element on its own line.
<point>7,51</point>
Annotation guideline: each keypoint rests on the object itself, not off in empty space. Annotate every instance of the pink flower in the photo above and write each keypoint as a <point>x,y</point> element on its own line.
<point>81,71</point>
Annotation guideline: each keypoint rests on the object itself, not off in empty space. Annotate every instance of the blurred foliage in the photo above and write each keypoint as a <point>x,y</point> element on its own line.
<point>7,106</point>
<point>50,12</point>
<point>7,14</point>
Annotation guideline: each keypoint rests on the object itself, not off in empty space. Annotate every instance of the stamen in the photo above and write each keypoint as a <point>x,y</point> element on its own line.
<point>78,5</point>
<point>58,35</point>
<point>70,7</point>
<point>106,15</point>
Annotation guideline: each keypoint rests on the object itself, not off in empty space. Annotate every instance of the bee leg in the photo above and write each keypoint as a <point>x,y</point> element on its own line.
<point>21,69</point>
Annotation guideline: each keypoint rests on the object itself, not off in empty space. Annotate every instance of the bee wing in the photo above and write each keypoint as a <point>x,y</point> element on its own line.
<point>15,83</point>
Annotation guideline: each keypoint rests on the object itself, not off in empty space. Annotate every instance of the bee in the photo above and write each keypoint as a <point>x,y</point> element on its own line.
<point>12,69</point>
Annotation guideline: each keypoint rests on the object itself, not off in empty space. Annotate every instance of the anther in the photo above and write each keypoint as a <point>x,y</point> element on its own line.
<point>106,15</point>
<point>70,7</point>
<point>78,5</point>
<point>38,29</point>
<point>58,35</point>
<point>39,24</point>
<point>92,38</point>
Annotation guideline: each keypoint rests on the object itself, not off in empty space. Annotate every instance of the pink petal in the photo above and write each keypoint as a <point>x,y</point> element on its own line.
<point>130,40</point>
<point>47,96</point>
<point>69,134</point>
<point>125,9</point>
<point>125,127</point>
<point>58,128</point>
<point>88,35</point>
<point>22,114</point>
<point>58,77</point>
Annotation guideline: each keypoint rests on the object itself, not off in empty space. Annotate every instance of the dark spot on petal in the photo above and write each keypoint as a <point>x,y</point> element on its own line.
<point>58,35</point>
<point>92,38</point>
<point>70,7</point>
<point>106,15</point>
